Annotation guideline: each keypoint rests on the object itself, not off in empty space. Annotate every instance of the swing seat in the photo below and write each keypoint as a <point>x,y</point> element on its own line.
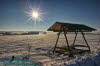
<point>79,46</point>
<point>66,47</point>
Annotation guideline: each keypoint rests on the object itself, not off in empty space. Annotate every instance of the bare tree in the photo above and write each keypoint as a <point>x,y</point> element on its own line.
<point>29,47</point>
<point>99,41</point>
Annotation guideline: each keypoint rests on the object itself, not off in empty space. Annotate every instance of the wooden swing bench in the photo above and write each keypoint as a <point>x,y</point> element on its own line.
<point>74,51</point>
<point>69,27</point>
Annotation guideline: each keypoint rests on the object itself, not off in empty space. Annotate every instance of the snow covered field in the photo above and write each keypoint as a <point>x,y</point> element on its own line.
<point>41,45</point>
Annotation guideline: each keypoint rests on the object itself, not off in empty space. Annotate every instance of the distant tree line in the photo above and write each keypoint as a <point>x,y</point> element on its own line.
<point>30,33</point>
<point>24,33</point>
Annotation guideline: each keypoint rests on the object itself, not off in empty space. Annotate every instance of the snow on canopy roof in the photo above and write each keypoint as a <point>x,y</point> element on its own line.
<point>69,27</point>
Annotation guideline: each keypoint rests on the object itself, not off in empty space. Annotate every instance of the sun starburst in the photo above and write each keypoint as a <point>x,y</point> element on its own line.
<point>34,15</point>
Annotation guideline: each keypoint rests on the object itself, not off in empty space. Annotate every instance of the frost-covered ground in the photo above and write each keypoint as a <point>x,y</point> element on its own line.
<point>41,45</point>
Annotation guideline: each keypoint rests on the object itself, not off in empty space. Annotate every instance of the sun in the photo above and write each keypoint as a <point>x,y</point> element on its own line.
<point>35,15</point>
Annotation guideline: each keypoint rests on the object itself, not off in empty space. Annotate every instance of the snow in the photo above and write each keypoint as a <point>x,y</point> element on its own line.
<point>42,45</point>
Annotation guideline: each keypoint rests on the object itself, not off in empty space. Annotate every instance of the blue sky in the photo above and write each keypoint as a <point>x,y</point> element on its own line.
<point>13,15</point>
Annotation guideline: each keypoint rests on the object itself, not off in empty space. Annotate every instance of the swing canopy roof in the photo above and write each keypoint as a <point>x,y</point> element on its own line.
<point>69,27</point>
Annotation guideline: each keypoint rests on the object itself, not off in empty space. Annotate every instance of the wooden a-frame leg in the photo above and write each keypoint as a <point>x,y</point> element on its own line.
<point>66,40</point>
<point>56,42</point>
<point>85,40</point>
<point>75,38</point>
<point>70,54</point>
